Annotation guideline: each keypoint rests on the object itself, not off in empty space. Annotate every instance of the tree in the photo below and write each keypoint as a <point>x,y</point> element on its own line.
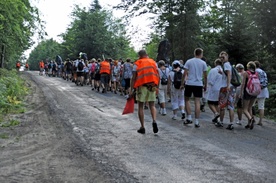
<point>18,22</point>
<point>46,50</point>
<point>95,32</point>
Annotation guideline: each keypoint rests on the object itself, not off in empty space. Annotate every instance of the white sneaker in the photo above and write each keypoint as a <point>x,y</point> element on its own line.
<point>126,96</point>
<point>174,117</point>
<point>164,112</point>
<point>160,110</point>
<point>238,123</point>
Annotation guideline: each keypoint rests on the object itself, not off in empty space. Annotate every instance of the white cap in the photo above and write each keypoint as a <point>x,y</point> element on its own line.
<point>176,62</point>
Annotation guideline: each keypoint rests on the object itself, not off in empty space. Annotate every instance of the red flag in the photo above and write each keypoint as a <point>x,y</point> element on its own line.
<point>129,107</point>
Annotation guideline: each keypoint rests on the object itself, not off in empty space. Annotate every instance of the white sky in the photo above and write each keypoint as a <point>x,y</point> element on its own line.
<point>56,14</point>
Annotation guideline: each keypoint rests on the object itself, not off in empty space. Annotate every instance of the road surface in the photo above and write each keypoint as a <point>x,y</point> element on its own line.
<point>73,134</point>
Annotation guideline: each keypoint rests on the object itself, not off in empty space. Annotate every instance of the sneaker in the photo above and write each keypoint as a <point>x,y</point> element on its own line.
<point>146,107</point>
<point>238,123</point>
<point>174,117</point>
<point>93,89</point>
<point>215,120</point>
<point>218,124</point>
<point>187,122</point>
<point>115,92</point>
<point>197,125</point>
<point>141,130</point>
<point>103,91</point>
<point>160,110</point>
<point>230,127</point>
<point>126,96</point>
<point>183,116</point>
<point>154,127</point>
<point>164,113</point>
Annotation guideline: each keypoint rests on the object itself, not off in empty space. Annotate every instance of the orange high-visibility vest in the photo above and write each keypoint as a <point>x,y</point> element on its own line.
<point>105,67</point>
<point>41,64</point>
<point>146,72</point>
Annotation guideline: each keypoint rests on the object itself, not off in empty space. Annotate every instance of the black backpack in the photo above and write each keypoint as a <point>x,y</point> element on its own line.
<point>80,66</point>
<point>69,66</point>
<point>177,79</point>
<point>235,77</point>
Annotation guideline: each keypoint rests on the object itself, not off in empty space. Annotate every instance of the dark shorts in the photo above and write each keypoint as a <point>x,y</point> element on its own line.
<point>97,77</point>
<point>104,78</point>
<point>80,74</point>
<point>246,96</point>
<point>92,75</point>
<point>196,91</point>
<point>127,83</point>
<point>213,102</point>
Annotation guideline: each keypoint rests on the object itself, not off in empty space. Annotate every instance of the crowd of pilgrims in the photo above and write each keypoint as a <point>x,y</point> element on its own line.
<point>117,80</point>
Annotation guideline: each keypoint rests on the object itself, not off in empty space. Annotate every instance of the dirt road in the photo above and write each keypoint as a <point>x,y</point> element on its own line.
<point>73,134</point>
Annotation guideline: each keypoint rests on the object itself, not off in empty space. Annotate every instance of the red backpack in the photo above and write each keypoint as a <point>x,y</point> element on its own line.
<point>253,86</point>
<point>93,68</point>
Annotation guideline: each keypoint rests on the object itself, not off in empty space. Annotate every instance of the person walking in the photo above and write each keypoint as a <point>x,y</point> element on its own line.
<point>80,71</point>
<point>227,92</point>
<point>127,74</point>
<point>249,98</point>
<point>238,100</point>
<point>177,93</point>
<point>163,86</point>
<point>264,92</point>
<point>105,71</point>
<point>195,69</point>
<point>214,79</point>
<point>145,80</point>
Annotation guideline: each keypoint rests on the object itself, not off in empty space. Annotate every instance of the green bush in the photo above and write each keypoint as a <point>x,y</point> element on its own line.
<point>12,92</point>
<point>270,103</point>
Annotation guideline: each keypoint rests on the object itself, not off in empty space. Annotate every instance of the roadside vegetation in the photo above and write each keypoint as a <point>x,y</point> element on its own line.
<point>13,90</point>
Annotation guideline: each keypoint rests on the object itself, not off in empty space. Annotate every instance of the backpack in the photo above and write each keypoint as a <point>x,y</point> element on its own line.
<point>97,68</point>
<point>164,80</point>
<point>93,67</point>
<point>116,70</point>
<point>177,79</point>
<point>69,66</point>
<point>263,79</point>
<point>253,86</point>
<point>235,77</point>
<point>127,71</point>
<point>80,66</point>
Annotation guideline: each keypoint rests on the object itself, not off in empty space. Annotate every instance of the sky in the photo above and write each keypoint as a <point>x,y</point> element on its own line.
<point>56,14</point>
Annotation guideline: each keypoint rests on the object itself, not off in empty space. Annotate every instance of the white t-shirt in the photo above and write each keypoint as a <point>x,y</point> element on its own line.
<point>195,67</point>
<point>227,67</point>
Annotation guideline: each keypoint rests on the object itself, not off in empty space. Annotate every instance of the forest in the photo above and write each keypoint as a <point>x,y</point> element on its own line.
<point>246,29</point>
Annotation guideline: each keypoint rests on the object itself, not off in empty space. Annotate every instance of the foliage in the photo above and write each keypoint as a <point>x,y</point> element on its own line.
<point>152,46</point>
<point>12,92</point>
<point>97,33</point>
<point>18,23</point>
<point>11,123</point>
<point>46,50</point>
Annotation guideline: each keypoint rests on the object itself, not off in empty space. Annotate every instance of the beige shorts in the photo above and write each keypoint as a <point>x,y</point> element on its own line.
<point>144,95</point>
<point>261,103</point>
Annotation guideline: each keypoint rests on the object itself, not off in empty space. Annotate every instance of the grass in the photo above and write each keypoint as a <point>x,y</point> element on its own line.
<point>10,123</point>
<point>4,136</point>
<point>13,90</point>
